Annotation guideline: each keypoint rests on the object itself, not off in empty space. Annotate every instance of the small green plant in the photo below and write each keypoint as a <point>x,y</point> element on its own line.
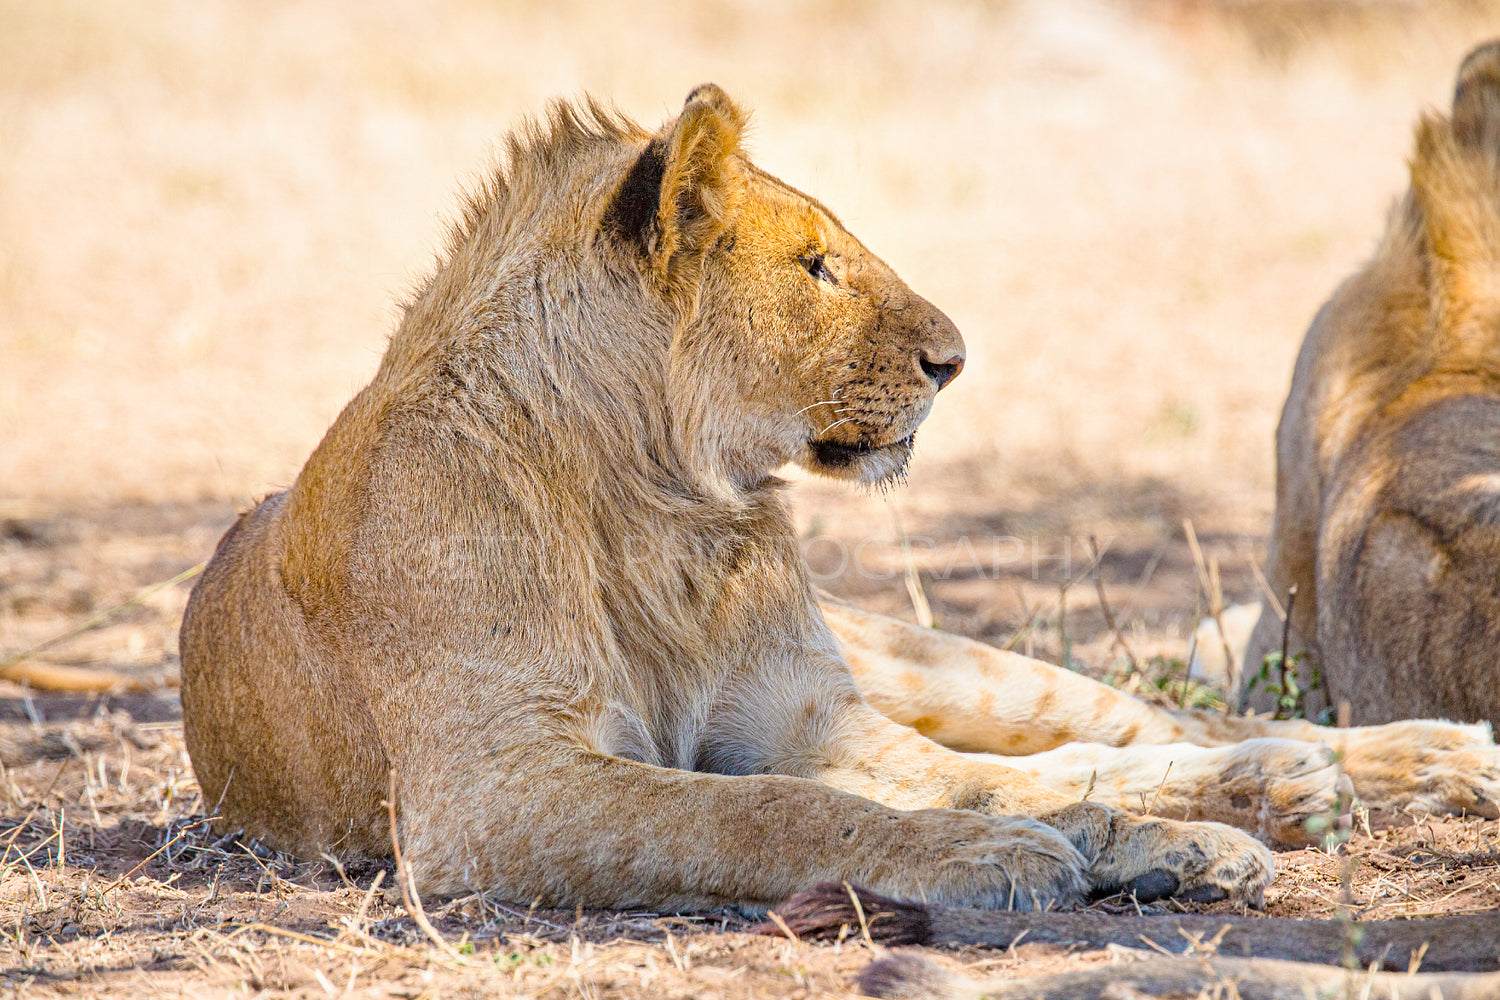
<point>1164,679</point>
<point>1278,676</point>
<point>512,960</point>
<point>1291,696</point>
<point>1169,676</point>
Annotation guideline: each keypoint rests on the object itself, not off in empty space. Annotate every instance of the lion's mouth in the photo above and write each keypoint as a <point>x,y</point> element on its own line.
<point>836,455</point>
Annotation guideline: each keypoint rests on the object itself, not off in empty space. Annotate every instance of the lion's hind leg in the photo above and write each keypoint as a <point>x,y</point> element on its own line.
<point>1423,765</point>
<point>1427,765</point>
<point>970,696</point>
<point>1268,787</point>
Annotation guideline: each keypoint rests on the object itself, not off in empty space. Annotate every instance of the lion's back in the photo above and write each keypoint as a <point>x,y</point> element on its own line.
<point>1410,621</point>
<point>245,673</point>
<point>1388,493</point>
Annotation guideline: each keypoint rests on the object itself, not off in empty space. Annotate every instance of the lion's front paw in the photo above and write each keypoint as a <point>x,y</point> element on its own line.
<point>1202,862</point>
<point>1154,858</point>
<point>1273,787</point>
<point>961,859</point>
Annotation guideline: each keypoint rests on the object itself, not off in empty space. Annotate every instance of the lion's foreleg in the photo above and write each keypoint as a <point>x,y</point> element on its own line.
<point>556,822</point>
<point>866,753</point>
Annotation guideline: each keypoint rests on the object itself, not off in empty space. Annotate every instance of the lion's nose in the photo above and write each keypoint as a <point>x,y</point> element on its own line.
<point>940,347</point>
<point>941,366</point>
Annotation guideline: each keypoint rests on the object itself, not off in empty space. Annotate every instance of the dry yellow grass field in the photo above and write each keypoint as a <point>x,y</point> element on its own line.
<point>210,214</point>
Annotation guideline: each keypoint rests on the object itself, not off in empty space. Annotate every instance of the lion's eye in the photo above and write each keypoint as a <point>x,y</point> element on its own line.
<point>817,267</point>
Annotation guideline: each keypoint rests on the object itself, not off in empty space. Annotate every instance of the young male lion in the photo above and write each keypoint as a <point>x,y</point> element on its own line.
<point>1388,451</point>
<point>540,570</point>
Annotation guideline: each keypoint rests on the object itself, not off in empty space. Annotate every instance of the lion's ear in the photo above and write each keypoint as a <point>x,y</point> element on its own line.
<point>1476,99</point>
<point>683,191</point>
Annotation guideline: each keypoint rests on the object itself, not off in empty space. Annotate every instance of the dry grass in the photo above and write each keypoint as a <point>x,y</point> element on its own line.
<point>209,212</point>
<point>112,884</point>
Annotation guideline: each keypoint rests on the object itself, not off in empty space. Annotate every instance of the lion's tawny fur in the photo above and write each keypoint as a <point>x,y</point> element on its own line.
<point>541,569</point>
<point>1388,451</point>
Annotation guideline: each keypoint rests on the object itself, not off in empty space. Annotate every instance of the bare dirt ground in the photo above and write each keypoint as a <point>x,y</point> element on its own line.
<point>209,213</point>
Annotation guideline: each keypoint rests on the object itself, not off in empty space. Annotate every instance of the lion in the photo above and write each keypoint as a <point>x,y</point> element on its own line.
<point>538,587</point>
<point>1388,450</point>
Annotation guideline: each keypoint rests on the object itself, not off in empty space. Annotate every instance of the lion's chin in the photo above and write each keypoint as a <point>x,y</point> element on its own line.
<point>871,465</point>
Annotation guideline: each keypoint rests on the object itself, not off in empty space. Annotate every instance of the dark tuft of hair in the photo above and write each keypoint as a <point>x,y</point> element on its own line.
<point>818,913</point>
<point>632,214</point>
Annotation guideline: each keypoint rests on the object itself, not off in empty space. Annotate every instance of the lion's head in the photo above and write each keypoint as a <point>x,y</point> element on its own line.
<point>558,482</point>
<point>828,358</point>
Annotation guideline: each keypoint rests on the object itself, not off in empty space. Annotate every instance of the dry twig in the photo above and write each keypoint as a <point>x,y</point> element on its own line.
<point>408,886</point>
<point>1104,608</point>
